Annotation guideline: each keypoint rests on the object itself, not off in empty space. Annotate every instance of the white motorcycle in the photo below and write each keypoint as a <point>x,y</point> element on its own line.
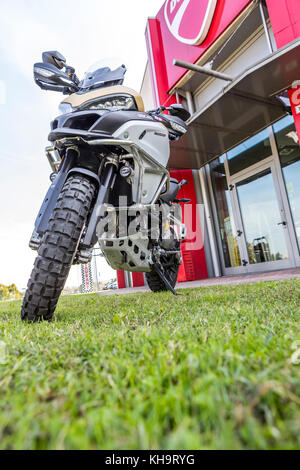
<point>109,183</point>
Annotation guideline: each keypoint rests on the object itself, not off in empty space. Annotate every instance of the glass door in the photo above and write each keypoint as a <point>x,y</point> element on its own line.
<point>228,236</point>
<point>287,145</point>
<point>261,218</point>
<point>254,189</point>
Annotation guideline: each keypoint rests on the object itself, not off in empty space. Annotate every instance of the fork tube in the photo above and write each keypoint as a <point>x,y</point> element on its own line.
<point>107,180</point>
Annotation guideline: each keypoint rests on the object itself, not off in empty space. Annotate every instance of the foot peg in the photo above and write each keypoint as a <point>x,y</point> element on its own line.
<point>183,200</point>
<point>83,256</point>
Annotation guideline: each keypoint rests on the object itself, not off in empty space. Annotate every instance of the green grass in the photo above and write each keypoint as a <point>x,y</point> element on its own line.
<point>214,368</point>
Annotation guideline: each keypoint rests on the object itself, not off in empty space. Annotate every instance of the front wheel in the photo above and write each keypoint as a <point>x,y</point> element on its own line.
<point>58,248</point>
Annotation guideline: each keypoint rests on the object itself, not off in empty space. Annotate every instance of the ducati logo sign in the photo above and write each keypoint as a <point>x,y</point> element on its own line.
<point>189,20</point>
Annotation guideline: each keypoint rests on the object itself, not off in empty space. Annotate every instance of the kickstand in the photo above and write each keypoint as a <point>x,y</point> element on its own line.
<point>163,278</point>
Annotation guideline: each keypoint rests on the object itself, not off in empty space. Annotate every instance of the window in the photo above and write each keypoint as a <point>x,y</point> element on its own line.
<point>289,153</point>
<point>249,152</point>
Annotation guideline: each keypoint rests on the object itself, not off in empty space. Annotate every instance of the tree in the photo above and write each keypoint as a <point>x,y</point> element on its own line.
<point>9,292</point>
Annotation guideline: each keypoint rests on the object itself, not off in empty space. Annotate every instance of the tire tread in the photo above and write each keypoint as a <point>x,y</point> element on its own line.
<point>156,284</point>
<point>55,255</point>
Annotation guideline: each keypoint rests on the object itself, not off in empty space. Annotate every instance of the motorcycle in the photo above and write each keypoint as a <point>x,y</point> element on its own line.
<point>109,184</point>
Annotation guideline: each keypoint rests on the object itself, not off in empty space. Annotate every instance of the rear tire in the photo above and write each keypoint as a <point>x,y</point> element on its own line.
<point>171,267</point>
<point>58,248</point>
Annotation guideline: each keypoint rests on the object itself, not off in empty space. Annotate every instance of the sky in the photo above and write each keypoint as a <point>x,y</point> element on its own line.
<point>84,31</point>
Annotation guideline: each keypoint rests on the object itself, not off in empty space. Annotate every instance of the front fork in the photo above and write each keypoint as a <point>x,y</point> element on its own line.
<point>107,179</point>
<point>53,193</point>
<point>105,182</point>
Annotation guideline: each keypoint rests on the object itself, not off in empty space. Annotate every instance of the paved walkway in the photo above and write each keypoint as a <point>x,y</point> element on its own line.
<point>219,281</point>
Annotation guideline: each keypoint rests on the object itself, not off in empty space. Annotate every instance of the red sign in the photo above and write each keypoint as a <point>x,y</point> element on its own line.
<point>185,29</point>
<point>285,21</point>
<point>294,96</point>
<point>180,18</point>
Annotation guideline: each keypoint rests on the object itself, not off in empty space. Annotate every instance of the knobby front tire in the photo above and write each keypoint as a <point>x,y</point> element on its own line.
<point>58,248</point>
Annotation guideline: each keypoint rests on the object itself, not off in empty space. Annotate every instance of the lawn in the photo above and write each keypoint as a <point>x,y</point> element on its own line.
<point>214,368</point>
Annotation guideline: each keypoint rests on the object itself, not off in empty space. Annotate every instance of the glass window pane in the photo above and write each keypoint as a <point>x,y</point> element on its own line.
<point>289,153</point>
<point>261,216</point>
<point>225,217</point>
<point>249,152</point>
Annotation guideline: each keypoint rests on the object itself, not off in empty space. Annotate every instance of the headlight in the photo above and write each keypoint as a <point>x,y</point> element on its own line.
<point>65,108</point>
<point>112,102</point>
<point>178,127</point>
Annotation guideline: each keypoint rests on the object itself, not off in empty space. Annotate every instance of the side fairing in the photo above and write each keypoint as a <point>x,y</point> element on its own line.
<point>150,136</point>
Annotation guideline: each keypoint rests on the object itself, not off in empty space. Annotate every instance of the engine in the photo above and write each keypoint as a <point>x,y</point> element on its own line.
<point>132,239</point>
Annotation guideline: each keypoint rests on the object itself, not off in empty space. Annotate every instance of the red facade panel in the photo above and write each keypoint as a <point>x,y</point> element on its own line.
<point>170,48</point>
<point>137,279</point>
<point>121,279</point>
<point>158,70</point>
<point>285,20</point>
<point>194,262</point>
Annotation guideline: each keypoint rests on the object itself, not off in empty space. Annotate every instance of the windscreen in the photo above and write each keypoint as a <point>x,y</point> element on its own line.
<point>105,72</point>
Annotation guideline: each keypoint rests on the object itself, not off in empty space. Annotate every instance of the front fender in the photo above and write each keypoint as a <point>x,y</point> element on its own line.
<point>85,172</point>
<point>53,193</point>
<point>54,190</point>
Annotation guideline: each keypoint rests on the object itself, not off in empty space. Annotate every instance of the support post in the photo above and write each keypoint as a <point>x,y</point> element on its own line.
<point>264,20</point>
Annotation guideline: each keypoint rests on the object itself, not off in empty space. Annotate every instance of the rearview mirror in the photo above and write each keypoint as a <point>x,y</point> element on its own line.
<point>54,58</point>
<point>179,111</point>
<point>47,74</point>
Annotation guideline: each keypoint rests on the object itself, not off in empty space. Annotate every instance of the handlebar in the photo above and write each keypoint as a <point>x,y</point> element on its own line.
<point>157,111</point>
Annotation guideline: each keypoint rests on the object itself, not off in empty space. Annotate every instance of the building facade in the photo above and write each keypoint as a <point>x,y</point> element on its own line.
<point>241,154</point>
